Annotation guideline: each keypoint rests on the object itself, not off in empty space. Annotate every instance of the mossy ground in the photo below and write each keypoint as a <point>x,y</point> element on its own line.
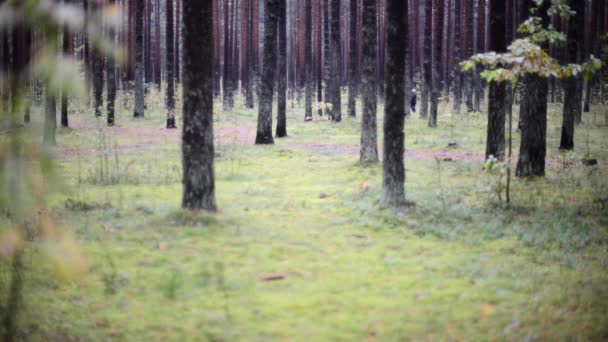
<point>301,250</point>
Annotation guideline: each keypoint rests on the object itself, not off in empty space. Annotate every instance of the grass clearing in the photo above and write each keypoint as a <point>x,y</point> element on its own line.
<point>300,249</point>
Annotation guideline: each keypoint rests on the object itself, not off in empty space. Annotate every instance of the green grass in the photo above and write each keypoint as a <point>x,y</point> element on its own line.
<point>457,266</point>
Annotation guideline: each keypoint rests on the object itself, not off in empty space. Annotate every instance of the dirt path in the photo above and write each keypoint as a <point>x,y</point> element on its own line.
<point>150,137</point>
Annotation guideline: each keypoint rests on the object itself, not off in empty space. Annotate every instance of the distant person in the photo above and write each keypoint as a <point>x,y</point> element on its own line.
<point>413,101</point>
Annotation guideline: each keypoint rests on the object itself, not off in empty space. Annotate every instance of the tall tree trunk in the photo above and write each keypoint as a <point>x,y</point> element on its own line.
<point>469,77</point>
<point>326,54</point>
<point>148,43</point>
<point>264,129</point>
<point>228,100</point>
<point>369,130</point>
<point>170,95</point>
<point>111,78</point>
<point>139,59</point>
<point>458,77</point>
<point>64,96</point>
<point>281,130</point>
<point>335,62</point>
<point>533,116</point>
<point>157,41</point>
<point>308,75</point>
<point>393,171</point>
<point>436,61</point>
<point>573,92</point>
<point>495,142</point>
<point>50,120</point>
<point>428,52</point>
<point>352,61</point>
<point>197,128</point>
<point>178,34</point>
<point>98,63</point>
<point>319,48</point>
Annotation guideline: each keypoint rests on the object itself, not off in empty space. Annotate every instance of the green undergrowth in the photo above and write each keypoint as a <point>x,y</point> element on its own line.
<point>301,249</point>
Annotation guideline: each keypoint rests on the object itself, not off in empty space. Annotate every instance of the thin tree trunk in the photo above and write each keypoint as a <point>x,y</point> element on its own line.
<point>197,132</point>
<point>170,94</point>
<point>281,130</point>
<point>369,130</point>
<point>393,171</point>
<point>495,142</point>
<point>64,96</point>
<point>436,61</point>
<point>50,120</point>
<point>308,74</point>
<point>111,78</point>
<point>228,100</point>
<point>352,61</point>
<point>264,128</point>
<point>458,77</point>
<point>573,93</point>
<point>326,54</point>
<point>335,62</point>
<point>427,64</point>
<point>139,59</point>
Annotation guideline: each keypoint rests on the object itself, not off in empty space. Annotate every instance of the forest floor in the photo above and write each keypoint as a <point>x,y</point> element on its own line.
<point>300,248</point>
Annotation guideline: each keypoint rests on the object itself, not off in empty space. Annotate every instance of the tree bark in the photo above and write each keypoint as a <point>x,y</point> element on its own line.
<point>369,130</point>
<point>111,78</point>
<point>139,59</point>
<point>458,77</point>
<point>50,120</point>
<point>228,100</point>
<point>436,61</point>
<point>281,130</point>
<point>427,86</point>
<point>64,97</point>
<point>495,142</point>
<point>308,75</point>
<point>335,62</point>
<point>572,91</point>
<point>352,61</point>
<point>393,171</point>
<point>264,128</point>
<point>170,54</point>
<point>197,132</point>
<point>533,117</point>
<point>469,51</point>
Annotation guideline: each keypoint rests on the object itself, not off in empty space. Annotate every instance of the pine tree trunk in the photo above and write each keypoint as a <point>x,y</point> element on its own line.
<point>281,130</point>
<point>139,59</point>
<point>98,60</point>
<point>469,51</point>
<point>369,130</point>
<point>393,171</point>
<point>148,42</point>
<point>178,34</point>
<point>335,62</point>
<point>157,41</point>
<point>170,54</point>
<point>437,16</point>
<point>50,120</point>
<point>495,142</point>
<point>197,131</point>
<point>352,61</point>
<point>457,85</point>
<point>427,64</point>
<point>326,54</point>
<point>264,128</point>
<point>64,97</point>
<point>308,75</point>
<point>572,110</point>
<point>111,78</point>
<point>228,100</point>
<point>533,118</point>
